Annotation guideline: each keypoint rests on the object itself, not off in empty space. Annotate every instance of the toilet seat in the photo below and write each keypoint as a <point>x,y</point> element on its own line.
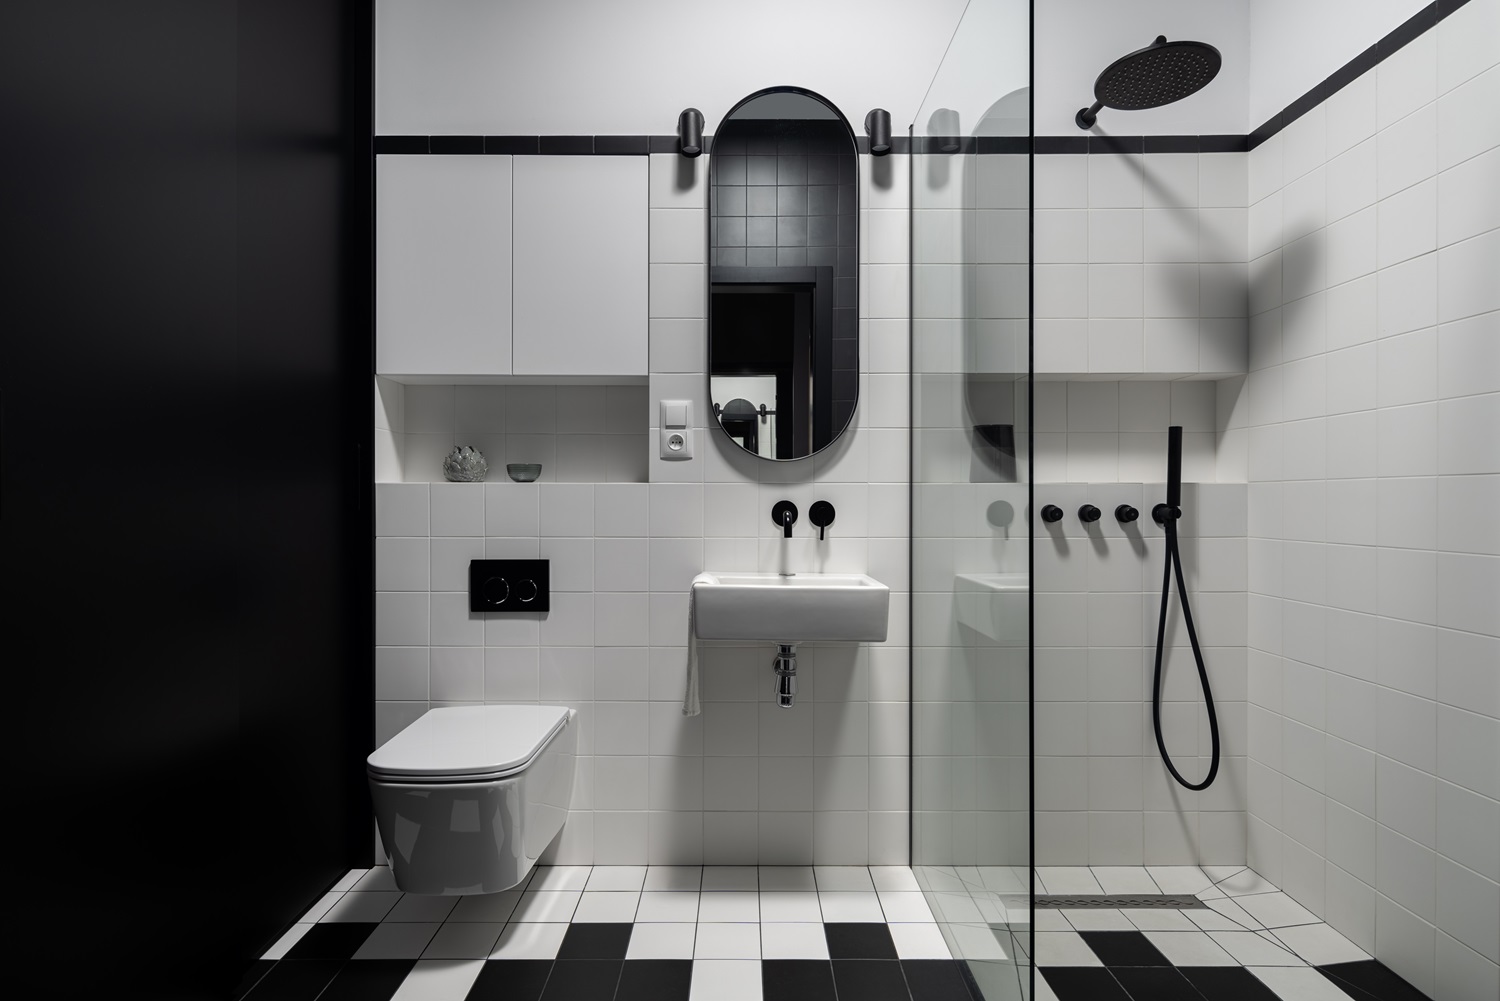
<point>461,744</point>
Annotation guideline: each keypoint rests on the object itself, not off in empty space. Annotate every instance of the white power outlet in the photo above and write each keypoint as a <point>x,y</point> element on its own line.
<point>676,429</point>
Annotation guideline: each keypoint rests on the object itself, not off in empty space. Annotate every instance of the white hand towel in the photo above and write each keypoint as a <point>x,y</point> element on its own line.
<point>690,704</point>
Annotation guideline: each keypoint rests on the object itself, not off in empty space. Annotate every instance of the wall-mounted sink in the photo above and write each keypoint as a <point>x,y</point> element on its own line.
<point>790,608</point>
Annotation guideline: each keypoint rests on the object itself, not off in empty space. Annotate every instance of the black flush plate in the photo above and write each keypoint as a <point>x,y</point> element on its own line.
<point>509,586</point>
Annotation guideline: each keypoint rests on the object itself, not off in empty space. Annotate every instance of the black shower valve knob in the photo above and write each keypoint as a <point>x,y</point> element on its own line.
<point>1088,514</point>
<point>1052,513</point>
<point>1125,514</point>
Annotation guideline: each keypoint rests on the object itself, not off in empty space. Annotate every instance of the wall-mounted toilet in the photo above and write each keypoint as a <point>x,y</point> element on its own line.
<point>468,797</point>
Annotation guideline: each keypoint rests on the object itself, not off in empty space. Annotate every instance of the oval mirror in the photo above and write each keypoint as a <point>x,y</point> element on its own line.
<point>783,296</point>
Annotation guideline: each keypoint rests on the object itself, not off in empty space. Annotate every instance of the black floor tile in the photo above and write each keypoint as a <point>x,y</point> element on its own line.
<point>655,980</point>
<point>936,980</point>
<point>796,980</point>
<point>595,941</point>
<point>1155,983</point>
<point>1124,948</point>
<point>1374,978</point>
<point>511,980</point>
<point>870,979</point>
<point>860,941</point>
<point>335,940</point>
<point>1227,983</point>
<point>302,981</point>
<point>1083,983</point>
<point>583,980</point>
<point>252,977</point>
<point>368,980</point>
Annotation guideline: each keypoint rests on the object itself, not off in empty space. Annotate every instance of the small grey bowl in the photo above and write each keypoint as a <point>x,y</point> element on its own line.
<point>523,472</point>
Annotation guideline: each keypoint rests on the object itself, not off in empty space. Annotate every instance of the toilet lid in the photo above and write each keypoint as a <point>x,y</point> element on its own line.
<point>468,742</point>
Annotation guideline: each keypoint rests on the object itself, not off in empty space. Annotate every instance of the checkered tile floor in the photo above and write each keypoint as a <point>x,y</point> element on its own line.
<point>1252,943</point>
<point>619,933</point>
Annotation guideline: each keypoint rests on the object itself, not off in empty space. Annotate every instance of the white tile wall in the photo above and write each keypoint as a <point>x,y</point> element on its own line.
<point>1141,264</point>
<point>745,782</point>
<point>1373,569</point>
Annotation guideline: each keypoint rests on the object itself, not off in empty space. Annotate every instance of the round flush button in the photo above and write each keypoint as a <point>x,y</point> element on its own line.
<point>526,590</point>
<point>496,590</point>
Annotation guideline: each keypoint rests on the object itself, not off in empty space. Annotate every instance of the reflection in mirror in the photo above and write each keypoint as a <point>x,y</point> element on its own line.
<point>783,330</point>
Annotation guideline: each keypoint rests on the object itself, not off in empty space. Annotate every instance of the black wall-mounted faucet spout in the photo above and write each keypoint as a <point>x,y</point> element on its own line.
<point>784,514</point>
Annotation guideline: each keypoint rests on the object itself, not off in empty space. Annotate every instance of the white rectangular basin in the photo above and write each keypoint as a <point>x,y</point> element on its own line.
<point>790,608</point>
<point>994,605</point>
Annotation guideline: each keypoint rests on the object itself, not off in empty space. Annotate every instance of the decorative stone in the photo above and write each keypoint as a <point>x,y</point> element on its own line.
<point>465,464</point>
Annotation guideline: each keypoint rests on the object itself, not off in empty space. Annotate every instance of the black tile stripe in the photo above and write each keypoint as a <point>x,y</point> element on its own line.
<point>373,980</point>
<point>1373,979</point>
<point>331,940</point>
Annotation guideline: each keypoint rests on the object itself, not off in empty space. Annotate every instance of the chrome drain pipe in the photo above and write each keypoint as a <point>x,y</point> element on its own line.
<point>785,666</point>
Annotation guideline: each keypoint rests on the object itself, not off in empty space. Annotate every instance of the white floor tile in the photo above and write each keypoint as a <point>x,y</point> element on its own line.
<point>795,941</point>
<point>1124,879</point>
<point>1234,912</point>
<point>1179,878</point>
<point>1320,945</point>
<point>844,878</point>
<point>1096,919</point>
<point>284,944</point>
<point>1004,879</point>
<point>1218,872</point>
<point>851,906</point>
<point>439,980</point>
<point>1276,910</point>
<point>324,904</point>
<point>955,907</point>
<point>1158,919</point>
<point>348,880</point>
<point>786,878</point>
<point>728,905</point>
<point>465,940</point>
<point>919,941</point>
<point>670,906</point>
<point>795,907</point>
<point>420,907</point>
<point>1190,948</point>
<point>726,980</point>
<point>730,877</point>
<point>662,941</point>
<point>486,907</point>
<point>397,940</point>
<point>1052,919</point>
<point>529,941</point>
<point>896,878</point>
<point>559,877</point>
<point>1063,948</point>
<point>727,941</point>
<point>1211,920</point>
<point>616,907</point>
<point>377,879</point>
<point>617,877</point>
<point>358,905</point>
<point>905,907</point>
<point>547,905</point>
<point>1298,984</point>
<point>1250,949</point>
<point>983,943</point>
<point>1244,882</point>
<point>1060,879</point>
<point>674,877</point>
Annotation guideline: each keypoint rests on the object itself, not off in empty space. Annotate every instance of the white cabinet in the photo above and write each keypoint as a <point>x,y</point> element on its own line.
<point>443,265</point>
<point>580,271</point>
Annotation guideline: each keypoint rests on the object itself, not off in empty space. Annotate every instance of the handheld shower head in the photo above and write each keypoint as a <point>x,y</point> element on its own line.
<point>1161,73</point>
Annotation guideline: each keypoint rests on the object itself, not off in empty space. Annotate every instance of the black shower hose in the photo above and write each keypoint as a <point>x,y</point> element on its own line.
<point>1174,560</point>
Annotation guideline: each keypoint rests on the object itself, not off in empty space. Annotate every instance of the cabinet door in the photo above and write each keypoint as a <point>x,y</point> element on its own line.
<point>442,265</point>
<point>580,265</point>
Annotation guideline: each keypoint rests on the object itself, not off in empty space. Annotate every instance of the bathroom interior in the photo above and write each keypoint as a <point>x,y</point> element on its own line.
<point>960,501</point>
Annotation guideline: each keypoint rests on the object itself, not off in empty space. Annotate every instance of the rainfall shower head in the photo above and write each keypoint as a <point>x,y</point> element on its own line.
<point>1159,74</point>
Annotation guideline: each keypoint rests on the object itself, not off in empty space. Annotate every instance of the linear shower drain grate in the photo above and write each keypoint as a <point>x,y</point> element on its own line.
<point>1176,900</point>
